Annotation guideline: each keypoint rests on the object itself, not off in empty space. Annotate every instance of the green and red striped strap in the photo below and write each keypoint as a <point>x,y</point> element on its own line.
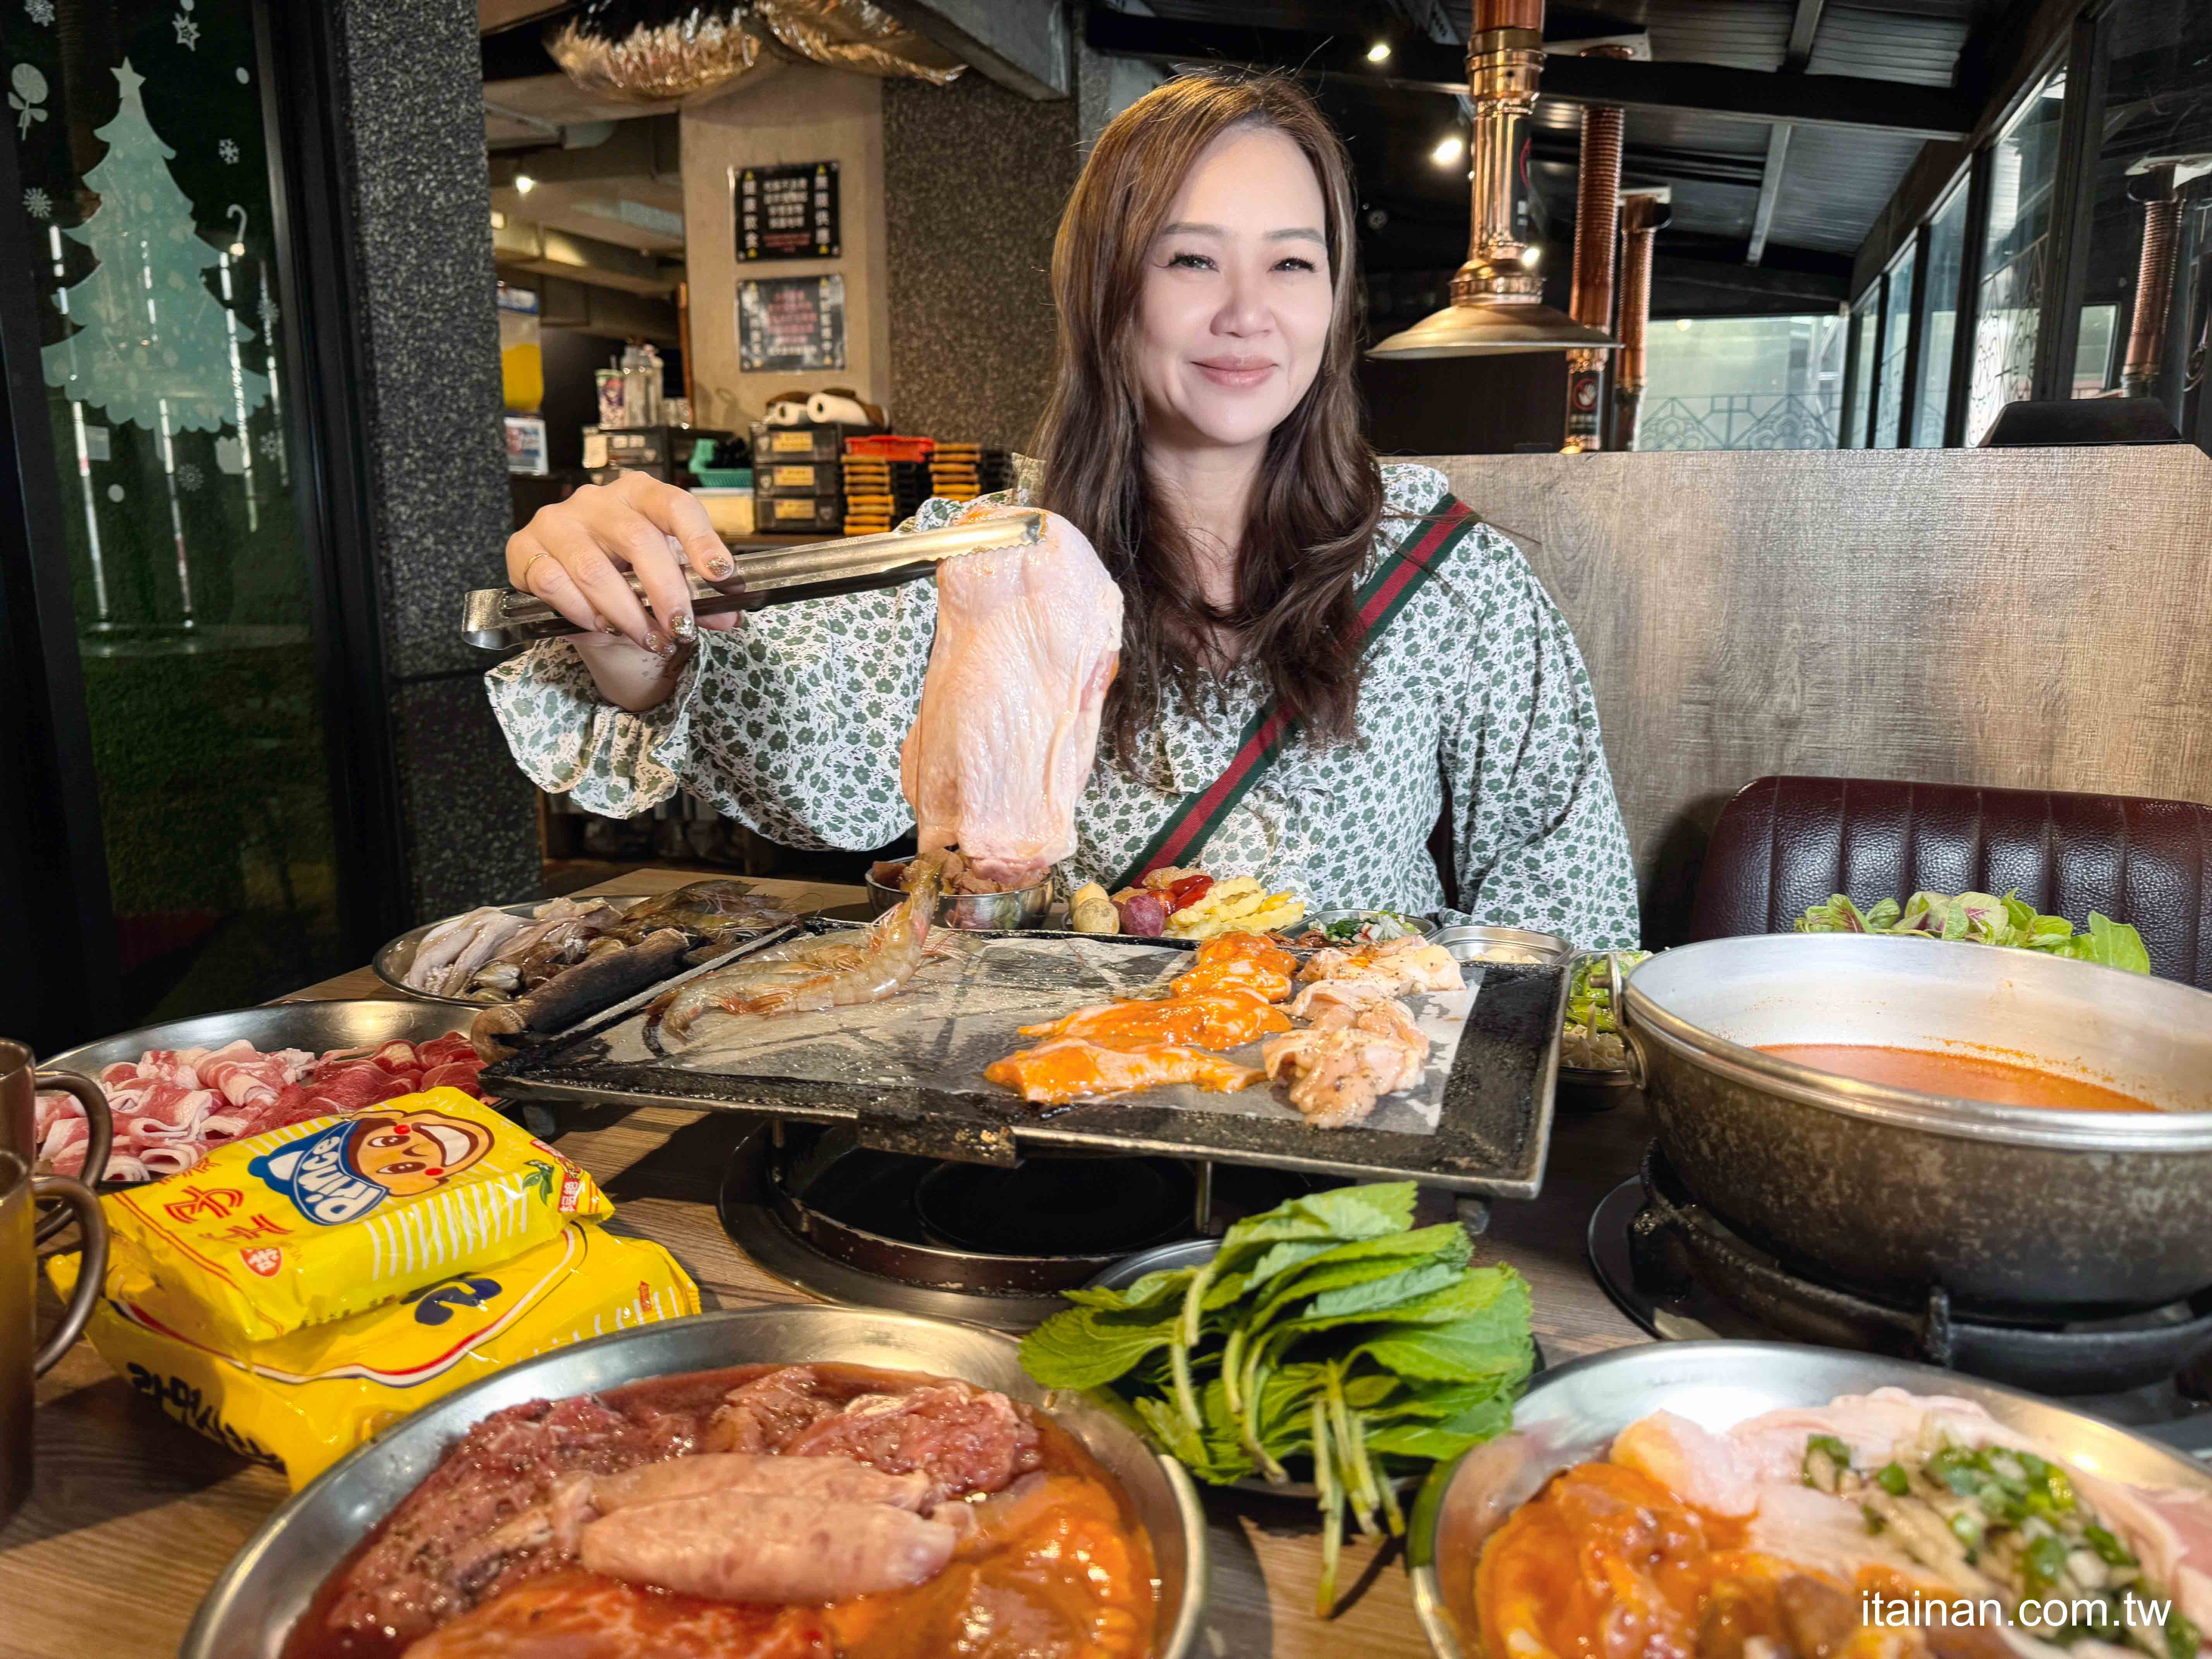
<point>1380,598</point>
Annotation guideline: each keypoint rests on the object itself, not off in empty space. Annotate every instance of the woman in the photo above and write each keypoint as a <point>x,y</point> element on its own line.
<point>1203,432</point>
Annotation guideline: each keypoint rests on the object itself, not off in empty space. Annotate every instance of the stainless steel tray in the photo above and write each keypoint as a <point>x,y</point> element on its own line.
<point>250,1612</point>
<point>1571,1415</point>
<point>321,1026</point>
<point>396,955</point>
<point>1491,1139</point>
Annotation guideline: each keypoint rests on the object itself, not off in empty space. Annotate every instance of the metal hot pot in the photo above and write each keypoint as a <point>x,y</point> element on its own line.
<point>2030,1211</point>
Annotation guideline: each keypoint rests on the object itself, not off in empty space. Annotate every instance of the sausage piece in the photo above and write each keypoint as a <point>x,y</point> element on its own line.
<point>765,1546</point>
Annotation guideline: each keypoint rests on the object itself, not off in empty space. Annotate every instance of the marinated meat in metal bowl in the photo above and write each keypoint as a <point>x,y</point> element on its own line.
<point>757,1510</point>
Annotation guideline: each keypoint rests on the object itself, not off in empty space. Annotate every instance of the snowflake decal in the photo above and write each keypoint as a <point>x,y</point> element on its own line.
<point>269,444</point>
<point>188,31</point>
<point>189,477</point>
<point>40,11</point>
<point>37,203</point>
<point>228,149</point>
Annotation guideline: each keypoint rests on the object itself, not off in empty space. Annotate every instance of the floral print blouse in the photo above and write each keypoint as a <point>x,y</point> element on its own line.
<point>791,723</point>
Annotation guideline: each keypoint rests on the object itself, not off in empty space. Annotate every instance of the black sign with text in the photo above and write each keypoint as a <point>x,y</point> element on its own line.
<point>787,212</point>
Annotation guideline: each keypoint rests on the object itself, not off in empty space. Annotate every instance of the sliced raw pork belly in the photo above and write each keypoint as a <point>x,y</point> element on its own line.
<point>1028,639</point>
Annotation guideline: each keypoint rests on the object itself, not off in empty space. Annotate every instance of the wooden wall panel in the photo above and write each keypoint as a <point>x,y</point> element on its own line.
<point>2023,618</point>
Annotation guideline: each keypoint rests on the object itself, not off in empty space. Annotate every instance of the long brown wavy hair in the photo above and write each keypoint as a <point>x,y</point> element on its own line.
<point>1318,494</point>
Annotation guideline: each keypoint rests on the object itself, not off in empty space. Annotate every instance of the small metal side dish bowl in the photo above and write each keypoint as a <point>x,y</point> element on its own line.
<point>1588,1089</point>
<point>1571,1416</point>
<point>1014,912</point>
<point>2008,1208</point>
<point>250,1612</point>
<point>1516,945</point>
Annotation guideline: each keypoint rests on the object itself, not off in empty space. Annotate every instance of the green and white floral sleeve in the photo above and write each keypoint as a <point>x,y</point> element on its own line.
<point>1536,831</point>
<point>790,722</point>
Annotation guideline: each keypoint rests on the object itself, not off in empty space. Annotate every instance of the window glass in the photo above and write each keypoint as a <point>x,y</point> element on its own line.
<point>2158,107</point>
<point>1896,335</point>
<point>2022,164</point>
<point>1939,314</point>
<point>1866,323</point>
<point>146,198</point>
<point>1742,383</point>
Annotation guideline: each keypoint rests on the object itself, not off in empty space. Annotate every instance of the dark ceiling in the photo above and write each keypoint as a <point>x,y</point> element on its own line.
<point>1832,183</point>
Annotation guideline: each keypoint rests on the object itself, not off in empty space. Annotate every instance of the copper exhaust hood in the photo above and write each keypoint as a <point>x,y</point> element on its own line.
<point>1496,306</point>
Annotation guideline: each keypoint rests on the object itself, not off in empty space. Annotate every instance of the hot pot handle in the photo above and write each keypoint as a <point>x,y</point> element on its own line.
<point>1632,1046</point>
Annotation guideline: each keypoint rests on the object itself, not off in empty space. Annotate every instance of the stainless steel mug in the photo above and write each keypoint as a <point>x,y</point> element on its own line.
<point>22,1361</point>
<point>21,1084</point>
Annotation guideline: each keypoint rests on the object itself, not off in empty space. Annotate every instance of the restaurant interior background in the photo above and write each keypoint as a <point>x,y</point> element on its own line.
<point>266,265</point>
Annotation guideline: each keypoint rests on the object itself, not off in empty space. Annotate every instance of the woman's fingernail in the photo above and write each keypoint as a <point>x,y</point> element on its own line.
<point>610,630</point>
<point>720,567</point>
<point>685,628</point>
<point>654,644</point>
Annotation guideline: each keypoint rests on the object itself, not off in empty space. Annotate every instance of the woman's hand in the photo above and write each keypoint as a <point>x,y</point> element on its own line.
<point>572,555</point>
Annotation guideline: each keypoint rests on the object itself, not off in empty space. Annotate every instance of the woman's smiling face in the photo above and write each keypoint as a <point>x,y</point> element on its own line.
<point>1235,312</point>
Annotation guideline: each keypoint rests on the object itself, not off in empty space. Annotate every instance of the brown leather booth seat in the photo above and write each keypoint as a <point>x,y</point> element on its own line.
<point>1782,844</point>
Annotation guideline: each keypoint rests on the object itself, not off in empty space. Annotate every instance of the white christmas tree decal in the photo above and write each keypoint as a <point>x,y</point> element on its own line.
<point>152,345</point>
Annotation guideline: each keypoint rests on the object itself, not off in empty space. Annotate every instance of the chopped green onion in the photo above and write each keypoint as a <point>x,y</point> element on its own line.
<point>2109,1550</point>
<point>1892,1480</point>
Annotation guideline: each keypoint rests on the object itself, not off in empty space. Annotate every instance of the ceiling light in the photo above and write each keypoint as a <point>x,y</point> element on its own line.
<point>238,249</point>
<point>524,184</point>
<point>1531,259</point>
<point>1448,150</point>
<point>498,219</point>
<point>1379,53</point>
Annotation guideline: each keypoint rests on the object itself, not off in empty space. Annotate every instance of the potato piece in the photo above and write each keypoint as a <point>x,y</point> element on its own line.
<point>1252,914</point>
<point>1090,911</point>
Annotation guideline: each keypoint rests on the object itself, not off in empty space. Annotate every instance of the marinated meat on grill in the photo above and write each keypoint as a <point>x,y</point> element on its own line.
<point>1027,642</point>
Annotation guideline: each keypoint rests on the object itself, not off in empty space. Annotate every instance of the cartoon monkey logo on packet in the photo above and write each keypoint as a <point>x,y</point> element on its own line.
<point>345,1172</point>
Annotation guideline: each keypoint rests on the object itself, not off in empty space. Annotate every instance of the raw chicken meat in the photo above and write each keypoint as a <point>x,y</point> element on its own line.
<point>1028,639</point>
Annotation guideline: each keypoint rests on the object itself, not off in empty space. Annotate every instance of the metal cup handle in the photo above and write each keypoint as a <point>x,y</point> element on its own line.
<point>92,1267</point>
<point>98,1120</point>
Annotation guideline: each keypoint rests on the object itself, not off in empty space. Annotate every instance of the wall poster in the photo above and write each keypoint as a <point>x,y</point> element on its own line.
<point>791,325</point>
<point>786,212</point>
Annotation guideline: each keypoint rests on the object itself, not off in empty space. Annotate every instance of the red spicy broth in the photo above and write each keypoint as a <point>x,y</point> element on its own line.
<point>1969,1077</point>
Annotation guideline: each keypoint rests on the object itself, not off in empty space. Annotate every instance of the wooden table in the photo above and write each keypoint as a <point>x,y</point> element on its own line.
<point>133,1517</point>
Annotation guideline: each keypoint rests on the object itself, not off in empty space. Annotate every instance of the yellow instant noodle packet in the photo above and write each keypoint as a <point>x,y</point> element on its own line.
<point>327,1217</point>
<point>304,1401</point>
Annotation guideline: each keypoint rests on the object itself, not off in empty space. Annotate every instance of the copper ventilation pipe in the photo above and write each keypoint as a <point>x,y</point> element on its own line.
<point>1496,298</point>
<point>1641,215</point>
<point>1598,221</point>
<point>2153,282</point>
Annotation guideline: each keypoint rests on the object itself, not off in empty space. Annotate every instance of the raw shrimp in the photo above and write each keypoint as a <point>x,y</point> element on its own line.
<point>836,974</point>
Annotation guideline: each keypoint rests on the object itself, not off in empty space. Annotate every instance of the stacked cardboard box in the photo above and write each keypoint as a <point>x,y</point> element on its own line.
<point>886,478</point>
<point>964,471</point>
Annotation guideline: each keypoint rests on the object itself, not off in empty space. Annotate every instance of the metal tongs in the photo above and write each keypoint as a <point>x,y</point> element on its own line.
<point>499,618</point>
